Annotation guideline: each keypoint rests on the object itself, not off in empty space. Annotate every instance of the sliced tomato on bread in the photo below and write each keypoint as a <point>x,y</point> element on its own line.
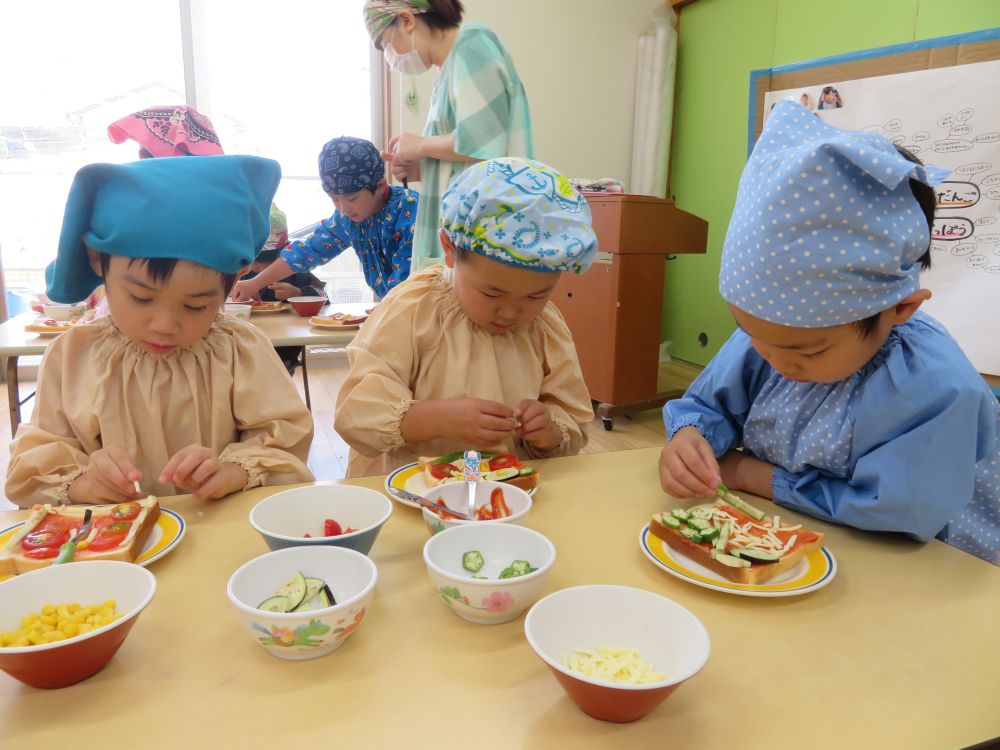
<point>496,467</point>
<point>739,546</point>
<point>117,532</point>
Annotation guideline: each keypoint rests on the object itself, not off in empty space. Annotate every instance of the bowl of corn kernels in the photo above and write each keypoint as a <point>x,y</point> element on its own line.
<point>62,624</point>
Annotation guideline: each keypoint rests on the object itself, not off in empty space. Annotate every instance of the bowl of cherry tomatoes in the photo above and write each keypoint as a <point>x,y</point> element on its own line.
<point>322,514</point>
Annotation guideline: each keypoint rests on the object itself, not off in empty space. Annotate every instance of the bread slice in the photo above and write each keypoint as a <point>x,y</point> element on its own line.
<point>526,482</point>
<point>69,518</point>
<point>338,320</point>
<point>795,542</point>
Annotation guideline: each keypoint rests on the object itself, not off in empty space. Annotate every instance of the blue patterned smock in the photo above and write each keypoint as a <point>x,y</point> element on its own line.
<point>909,443</point>
<point>383,242</point>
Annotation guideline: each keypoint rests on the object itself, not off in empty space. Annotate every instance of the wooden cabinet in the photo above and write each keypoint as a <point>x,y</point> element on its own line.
<point>614,310</point>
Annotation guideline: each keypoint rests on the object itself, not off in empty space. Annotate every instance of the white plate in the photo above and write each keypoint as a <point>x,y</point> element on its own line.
<point>411,479</point>
<point>813,572</point>
<point>166,535</point>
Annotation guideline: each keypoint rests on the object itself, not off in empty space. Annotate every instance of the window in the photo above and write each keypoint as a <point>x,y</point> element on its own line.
<point>276,79</point>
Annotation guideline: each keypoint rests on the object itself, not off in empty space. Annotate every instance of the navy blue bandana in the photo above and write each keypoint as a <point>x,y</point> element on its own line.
<point>349,165</point>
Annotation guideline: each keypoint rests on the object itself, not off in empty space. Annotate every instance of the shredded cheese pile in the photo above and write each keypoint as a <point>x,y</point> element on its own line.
<point>740,533</point>
<point>615,664</point>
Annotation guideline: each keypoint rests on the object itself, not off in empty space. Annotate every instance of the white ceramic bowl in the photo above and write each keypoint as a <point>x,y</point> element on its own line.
<point>493,599</point>
<point>92,582</point>
<point>668,637</point>
<point>350,575</point>
<point>238,310</point>
<point>285,517</point>
<point>56,311</point>
<point>455,495</point>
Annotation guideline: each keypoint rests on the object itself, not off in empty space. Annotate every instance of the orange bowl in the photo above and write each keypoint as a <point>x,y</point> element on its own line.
<point>668,637</point>
<point>62,663</point>
<point>307,306</point>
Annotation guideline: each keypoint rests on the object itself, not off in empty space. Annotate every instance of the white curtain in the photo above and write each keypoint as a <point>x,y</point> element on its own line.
<point>654,103</point>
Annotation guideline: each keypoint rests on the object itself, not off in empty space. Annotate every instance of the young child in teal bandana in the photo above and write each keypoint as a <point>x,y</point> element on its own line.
<point>372,217</point>
<point>473,355</point>
<point>849,403</point>
<point>165,391</point>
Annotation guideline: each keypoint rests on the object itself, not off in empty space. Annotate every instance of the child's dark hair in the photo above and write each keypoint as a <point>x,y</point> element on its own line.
<point>160,269</point>
<point>445,14</point>
<point>268,255</point>
<point>927,200</point>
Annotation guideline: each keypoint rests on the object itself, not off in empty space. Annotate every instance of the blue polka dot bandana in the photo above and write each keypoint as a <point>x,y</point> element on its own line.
<point>825,229</point>
<point>350,165</point>
<point>519,212</point>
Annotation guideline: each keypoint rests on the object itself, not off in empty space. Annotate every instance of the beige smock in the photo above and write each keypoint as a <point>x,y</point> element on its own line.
<point>228,392</point>
<point>419,345</point>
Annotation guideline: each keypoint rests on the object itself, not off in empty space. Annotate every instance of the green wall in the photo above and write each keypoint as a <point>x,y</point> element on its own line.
<point>721,41</point>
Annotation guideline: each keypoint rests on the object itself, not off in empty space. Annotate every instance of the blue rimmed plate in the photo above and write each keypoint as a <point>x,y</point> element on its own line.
<point>813,572</point>
<point>166,534</point>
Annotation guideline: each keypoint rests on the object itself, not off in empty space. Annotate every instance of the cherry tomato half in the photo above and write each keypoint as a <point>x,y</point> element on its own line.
<point>331,528</point>
<point>125,511</point>
<point>41,553</point>
<point>44,537</point>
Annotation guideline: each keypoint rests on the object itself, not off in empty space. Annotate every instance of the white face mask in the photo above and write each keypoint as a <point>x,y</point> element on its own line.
<point>409,63</point>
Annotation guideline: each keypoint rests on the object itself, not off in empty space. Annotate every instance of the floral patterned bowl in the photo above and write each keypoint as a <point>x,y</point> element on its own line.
<point>488,599</point>
<point>350,575</point>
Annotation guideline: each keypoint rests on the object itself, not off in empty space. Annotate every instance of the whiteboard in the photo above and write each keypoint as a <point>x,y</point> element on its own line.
<point>949,116</point>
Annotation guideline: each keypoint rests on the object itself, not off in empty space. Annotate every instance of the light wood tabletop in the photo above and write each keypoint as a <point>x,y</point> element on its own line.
<point>901,649</point>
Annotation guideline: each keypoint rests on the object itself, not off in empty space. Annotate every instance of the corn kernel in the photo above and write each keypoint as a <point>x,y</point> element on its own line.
<point>57,622</point>
<point>48,609</point>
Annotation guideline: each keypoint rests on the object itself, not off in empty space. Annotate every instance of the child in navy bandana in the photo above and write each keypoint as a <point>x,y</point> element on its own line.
<point>374,218</point>
<point>848,402</point>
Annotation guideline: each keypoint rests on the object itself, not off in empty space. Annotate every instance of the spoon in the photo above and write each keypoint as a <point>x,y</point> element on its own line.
<point>404,495</point>
<point>68,550</point>
<point>471,472</point>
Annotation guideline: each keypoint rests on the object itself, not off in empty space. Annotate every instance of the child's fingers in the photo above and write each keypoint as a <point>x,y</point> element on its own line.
<point>494,408</point>
<point>680,480</point>
<point>495,424</point>
<point>701,461</point>
<point>111,468</point>
<point>212,487</point>
<point>204,471</point>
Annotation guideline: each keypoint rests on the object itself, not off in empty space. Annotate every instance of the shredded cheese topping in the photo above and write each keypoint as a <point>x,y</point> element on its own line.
<point>614,664</point>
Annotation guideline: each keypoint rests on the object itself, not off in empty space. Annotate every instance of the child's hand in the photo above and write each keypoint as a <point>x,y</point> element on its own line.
<point>687,465</point>
<point>536,426</point>
<point>197,468</point>
<point>403,155</point>
<point>245,289</point>
<point>110,477</point>
<point>475,421</point>
<point>284,290</point>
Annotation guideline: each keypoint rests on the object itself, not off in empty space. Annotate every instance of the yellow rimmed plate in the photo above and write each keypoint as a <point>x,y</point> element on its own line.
<point>813,572</point>
<point>411,478</point>
<point>166,535</point>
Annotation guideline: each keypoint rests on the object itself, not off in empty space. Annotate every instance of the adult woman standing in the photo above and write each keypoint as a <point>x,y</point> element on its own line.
<point>478,108</point>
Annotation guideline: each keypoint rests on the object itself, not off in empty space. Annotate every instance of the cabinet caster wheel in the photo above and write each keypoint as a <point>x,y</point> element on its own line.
<point>609,423</point>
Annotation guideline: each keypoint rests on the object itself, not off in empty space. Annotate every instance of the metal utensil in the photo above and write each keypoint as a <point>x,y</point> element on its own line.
<point>471,472</point>
<point>68,550</point>
<point>404,495</point>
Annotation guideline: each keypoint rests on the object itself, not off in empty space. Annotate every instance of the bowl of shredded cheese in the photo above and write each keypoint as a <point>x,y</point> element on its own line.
<point>618,652</point>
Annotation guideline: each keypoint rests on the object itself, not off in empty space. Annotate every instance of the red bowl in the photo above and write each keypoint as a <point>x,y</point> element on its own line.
<point>307,306</point>
<point>668,637</point>
<point>63,663</point>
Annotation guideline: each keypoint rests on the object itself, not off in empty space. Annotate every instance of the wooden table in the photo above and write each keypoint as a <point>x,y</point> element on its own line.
<point>901,649</point>
<point>283,329</point>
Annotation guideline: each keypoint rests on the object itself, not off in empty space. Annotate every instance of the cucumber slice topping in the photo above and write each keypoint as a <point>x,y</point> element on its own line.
<point>699,524</point>
<point>741,505</point>
<point>680,513</point>
<point>692,534</point>
<point>723,538</point>
<point>709,534</point>
<point>500,474</point>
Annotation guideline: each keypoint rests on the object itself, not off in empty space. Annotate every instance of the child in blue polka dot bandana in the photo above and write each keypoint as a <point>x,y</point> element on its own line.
<point>473,354</point>
<point>848,402</point>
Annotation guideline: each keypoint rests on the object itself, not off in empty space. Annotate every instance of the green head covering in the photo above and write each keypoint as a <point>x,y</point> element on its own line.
<point>381,14</point>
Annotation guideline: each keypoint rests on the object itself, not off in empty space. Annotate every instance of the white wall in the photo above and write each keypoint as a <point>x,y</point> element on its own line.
<point>577,59</point>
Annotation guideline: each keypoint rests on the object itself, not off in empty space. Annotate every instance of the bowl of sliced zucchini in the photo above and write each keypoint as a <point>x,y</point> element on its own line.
<point>303,602</point>
<point>489,573</point>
